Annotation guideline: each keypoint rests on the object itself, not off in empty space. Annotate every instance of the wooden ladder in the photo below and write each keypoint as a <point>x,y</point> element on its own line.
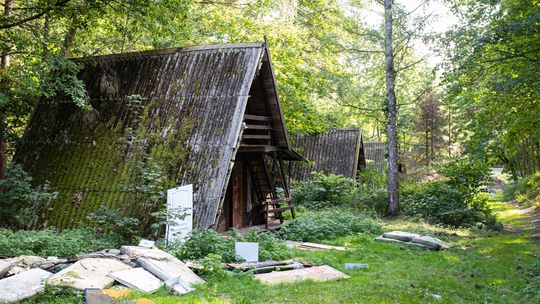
<point>266,192</point>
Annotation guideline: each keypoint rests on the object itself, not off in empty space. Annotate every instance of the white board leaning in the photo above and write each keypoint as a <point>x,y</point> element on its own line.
<point>179,213</point>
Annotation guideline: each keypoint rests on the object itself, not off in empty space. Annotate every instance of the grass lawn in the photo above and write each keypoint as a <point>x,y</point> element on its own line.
<point>482,267</point>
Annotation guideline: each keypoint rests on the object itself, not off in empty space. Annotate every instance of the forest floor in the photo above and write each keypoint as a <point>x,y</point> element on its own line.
<point>481,267</point>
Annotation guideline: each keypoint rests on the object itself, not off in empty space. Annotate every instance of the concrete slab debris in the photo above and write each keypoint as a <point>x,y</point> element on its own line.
<point>355,265</point>
<point>178,285</point>
<point>88,273</point>
<point>23,286</point>
<point>5,267</point>
<point>431,242</point>
<point>313,246</point>
<point>413,239</point>
<point>137,278</point>
<point>146,243</point>
<point>315,273</point>
<point>151,253</point>
<point>166,270</point>
<point>400,235</point>
<point>248,251</point>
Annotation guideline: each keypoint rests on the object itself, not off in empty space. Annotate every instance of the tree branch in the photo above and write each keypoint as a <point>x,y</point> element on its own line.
<point>58,4</point>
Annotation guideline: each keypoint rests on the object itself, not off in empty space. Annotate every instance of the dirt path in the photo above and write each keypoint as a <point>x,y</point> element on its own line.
<point>530,221</point>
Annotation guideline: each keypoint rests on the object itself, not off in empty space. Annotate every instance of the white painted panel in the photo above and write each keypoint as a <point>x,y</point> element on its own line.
<point>179,213</point>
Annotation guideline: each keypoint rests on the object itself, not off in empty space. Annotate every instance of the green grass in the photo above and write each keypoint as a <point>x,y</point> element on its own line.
<point>482,267</point>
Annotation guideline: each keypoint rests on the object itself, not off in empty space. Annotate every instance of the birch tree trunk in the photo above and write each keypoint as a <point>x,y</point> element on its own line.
<point>393,186</point>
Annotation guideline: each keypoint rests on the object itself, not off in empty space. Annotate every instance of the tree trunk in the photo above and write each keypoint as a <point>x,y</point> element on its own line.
<point>393,183</point>
<point>4,65</point>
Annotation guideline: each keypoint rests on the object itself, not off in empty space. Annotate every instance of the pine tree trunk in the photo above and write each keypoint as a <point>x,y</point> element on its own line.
<point>393,184</point>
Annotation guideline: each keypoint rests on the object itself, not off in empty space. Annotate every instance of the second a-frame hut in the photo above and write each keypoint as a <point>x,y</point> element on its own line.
<point>336,151</point>
<point>208,116</point>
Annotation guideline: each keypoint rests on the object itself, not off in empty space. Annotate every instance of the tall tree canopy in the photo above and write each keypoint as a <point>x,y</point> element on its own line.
<point>493,78</point>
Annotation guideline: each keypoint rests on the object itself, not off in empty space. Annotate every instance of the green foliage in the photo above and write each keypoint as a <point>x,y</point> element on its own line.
<point>525,190</point>
<point>316,226</point>
<point>57,295</point>
<point>20,204</point>
<point>441,203</point>
<point>372,179</point>
<point>325,191</point>
<point>148,189</point>
<point>466,175</point>
<point>113,223</point>
<point>49,243</point>
<point>375,200</point>
<point>493,77</point>
<point>210,244</point>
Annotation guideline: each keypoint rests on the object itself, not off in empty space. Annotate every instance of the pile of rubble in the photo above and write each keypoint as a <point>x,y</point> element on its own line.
<point>414,239</point>
<point>143,268</point>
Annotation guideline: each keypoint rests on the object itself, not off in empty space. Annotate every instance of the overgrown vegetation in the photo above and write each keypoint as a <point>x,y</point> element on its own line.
<point>21,204</point>
<point>316,226</point>
<point>209,243</point>
<point>50,243</point>
<point>325,191</point>
<point>481,267</point>
<point>112,223</point>
<point>526,191</point>
<point>455,200</point>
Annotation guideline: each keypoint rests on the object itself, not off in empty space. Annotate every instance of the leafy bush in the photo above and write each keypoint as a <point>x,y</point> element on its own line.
<point>375,200</point>
<point>48,242</point>
<point>440,203</point>
<point>316,226</point>
<point>209,243</point>
<point>325,191</point>
<point>113,223</point>
<point>526,190</point>
<point>466,175</point>
<point>21,204</point>
<point>372,179</point>
<point>453,201</point>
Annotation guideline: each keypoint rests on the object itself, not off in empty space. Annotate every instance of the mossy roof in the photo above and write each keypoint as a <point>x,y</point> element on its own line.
<point>187,122</point>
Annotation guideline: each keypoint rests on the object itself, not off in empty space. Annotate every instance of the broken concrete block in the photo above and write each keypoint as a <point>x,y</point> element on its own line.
<point>315,273</point>
<point>355,265</point>
<point>431,242</point>
<point>400,235</point>
<point>137,278</point>
<point>151,253</point>
<point>166,270</point>
<point>23,286</point>
<point>88,273</point>
<point>312,246</point>
<point>178,286</point>
<point>146,243</point>
<point>5,267</point>
<point>247,250</point>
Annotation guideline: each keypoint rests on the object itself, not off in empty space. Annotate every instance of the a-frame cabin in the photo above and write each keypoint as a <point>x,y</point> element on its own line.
<point>208,116</point>
<point>336,151</point>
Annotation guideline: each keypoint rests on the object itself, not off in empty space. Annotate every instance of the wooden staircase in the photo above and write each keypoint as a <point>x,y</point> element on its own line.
<point>264,182</point>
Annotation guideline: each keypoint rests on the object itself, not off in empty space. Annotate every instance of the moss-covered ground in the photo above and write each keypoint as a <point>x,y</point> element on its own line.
<point>482,267</point>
